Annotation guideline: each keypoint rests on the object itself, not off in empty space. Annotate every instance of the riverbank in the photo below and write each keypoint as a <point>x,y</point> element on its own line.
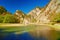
<point>56,26</point>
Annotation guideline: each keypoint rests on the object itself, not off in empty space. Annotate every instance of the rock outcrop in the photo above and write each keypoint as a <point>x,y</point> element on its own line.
<point>40,15</point>
<point>51,8</point>
<point>45,15</point>
<point>19,15</point>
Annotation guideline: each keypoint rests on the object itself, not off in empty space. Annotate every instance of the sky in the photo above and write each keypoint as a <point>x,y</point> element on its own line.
<point>23,5</point>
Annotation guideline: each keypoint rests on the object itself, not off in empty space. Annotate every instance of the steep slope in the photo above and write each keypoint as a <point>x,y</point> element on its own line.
<point>46,14</point>
<point>40,15</point>
<point>20,15</point>
<point>51,8</point>
<point>34,14</point>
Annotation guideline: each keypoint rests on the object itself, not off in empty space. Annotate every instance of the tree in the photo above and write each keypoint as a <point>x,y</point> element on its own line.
<point>2,10</point>
<point>57,18</point>
<point>1,18</point>
<point>10,19</point>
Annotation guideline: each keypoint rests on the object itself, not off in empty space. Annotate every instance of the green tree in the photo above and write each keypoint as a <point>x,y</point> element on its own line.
<point>1,18</point>
<point>57,18</point>
<point>10,19</point>
<point>2,10</point>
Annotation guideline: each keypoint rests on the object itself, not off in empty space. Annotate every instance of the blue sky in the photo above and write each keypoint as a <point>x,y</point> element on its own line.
<point>24,5</point>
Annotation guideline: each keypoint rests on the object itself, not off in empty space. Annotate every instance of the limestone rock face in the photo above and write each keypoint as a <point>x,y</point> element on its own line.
<point>23,18</point>
<point>52,8</point>
<point>45,15</point>
<point>34,14</point>
<point>40,15</point>
<point>19,15</point>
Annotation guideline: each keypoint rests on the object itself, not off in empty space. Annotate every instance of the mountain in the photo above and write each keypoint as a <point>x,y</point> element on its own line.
<point>33,14</point>
<point>35,11</point>
<point>40,15</point>
<point>52,8</point>
<point>46,14</point>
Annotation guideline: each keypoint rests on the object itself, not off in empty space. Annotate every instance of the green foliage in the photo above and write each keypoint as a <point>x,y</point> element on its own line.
<point>6,17</point>
<point>2,10</point>
<point>57,18</point>
<point>1,18</point>
<point>10,19</point>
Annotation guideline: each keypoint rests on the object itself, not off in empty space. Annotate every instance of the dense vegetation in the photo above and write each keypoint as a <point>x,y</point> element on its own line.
<point>7,17</point>
<point>2,10</point>
<point>10,19</point>
<point>1,18</point>
<point>56,18</point>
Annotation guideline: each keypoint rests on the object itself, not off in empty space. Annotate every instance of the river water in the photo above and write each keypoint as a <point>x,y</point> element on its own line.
<point>26,35</point>
<point>23,36</point>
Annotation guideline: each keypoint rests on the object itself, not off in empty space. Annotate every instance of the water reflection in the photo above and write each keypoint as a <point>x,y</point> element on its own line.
<point>24,36</point>
<point>12,36</point>
<point>30,35</point>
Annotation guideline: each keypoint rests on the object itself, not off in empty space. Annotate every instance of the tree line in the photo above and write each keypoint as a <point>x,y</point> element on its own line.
<point>7,17</point>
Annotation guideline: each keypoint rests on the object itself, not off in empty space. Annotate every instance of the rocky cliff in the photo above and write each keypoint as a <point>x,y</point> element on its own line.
<point>40,15</point>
